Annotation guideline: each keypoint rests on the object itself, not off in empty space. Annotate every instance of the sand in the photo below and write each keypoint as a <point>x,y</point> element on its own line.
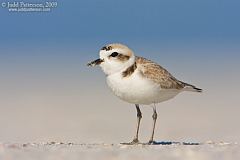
<point>167,151</point>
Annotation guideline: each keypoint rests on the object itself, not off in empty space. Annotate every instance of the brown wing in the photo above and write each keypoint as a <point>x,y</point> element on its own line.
<point>158,74</point>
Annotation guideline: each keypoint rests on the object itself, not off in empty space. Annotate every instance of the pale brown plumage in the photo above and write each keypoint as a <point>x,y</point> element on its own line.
<point>127,52</point>
<point>159,75</point>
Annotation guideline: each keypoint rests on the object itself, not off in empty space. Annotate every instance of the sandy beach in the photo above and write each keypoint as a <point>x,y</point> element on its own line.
<point>58,150</point>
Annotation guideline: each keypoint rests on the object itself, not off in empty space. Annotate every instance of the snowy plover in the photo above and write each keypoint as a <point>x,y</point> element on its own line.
<point>138,80</point>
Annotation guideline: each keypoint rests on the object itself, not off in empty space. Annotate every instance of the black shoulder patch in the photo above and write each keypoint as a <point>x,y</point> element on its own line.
<point>129,71</point>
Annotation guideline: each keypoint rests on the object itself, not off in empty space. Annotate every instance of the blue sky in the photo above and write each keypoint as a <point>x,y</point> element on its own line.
<point>93,21</point>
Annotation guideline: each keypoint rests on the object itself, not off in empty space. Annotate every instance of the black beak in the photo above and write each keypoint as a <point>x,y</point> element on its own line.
<point>95,63</point>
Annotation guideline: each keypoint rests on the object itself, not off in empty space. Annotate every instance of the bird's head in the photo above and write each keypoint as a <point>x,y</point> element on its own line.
<point>114,58</point>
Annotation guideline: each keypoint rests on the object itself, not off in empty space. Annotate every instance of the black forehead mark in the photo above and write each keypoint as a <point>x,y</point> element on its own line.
<point>107,48</point>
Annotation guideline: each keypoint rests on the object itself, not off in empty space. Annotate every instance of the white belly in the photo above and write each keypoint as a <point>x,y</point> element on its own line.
<point>138,90</point>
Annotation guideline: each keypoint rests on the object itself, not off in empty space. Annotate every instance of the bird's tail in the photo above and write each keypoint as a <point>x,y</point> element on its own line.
<point>192,88</point>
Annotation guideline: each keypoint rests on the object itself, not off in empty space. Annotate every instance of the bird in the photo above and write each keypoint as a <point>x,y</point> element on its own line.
<point>138,81</point>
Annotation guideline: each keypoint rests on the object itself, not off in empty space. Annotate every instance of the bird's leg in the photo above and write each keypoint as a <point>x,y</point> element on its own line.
<point>139,117</point>
<point>154,116</point>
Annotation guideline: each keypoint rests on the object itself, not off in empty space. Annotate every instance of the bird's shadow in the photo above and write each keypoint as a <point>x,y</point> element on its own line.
<point>173,143</point>
<point>165,143</point>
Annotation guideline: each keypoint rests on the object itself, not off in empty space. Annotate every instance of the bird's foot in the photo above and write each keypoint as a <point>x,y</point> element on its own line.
<point>134,142</point>
<point>151,142</point>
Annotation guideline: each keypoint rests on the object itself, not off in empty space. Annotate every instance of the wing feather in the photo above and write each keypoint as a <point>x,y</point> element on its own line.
<point>158,74</point>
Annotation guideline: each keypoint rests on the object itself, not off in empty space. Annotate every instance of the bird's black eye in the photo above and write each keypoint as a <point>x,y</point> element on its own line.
<point>114,54</point>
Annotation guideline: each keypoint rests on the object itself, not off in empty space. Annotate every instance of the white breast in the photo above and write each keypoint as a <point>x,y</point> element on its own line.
<point>138,90</point>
